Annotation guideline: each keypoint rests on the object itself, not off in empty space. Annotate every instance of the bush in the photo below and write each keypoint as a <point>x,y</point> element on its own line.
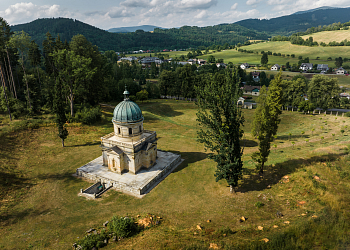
<point>123,227</point>
<point>347,114</point>
<point>92,240</point>
<point>259,204</point>
<point>87,115</point>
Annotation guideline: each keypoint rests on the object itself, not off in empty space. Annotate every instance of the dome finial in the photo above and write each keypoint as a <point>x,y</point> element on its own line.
<point>126,94</point>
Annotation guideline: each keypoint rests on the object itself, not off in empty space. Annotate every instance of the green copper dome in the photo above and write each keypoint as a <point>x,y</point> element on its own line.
<point>127,111</point>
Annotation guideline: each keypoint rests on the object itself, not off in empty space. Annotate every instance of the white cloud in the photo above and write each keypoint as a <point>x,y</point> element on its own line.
<point>276,2</point>
<point>136,3</point>
<point>201,14</point>
<point>118,12</point>
<point>234,6</point>
<point>196,4</point>
<point>25,12</point>
<point>251,2</point>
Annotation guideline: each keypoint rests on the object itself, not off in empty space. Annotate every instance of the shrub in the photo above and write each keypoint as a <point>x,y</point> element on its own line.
<point>259,204</point>
<point>87,115</point>
<point>123,227</point>
<point>92,240</point>
<point>347,114</point>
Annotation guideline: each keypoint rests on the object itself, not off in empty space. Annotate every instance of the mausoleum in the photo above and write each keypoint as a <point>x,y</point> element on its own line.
<point>130,161</point>
<point>129,148</point>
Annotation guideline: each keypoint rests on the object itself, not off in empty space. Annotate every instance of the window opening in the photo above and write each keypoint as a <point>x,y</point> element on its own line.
<point>130,131</point>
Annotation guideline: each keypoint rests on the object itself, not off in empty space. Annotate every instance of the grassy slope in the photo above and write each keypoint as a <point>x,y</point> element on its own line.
<point>40,207</point>
<point>329,36</point>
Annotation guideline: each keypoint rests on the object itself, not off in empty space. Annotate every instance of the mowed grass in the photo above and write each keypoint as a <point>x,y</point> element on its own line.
<point>40,208</point>
<point>329,36</point>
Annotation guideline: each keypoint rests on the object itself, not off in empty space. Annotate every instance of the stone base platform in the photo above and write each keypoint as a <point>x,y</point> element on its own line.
<point>136,185</point>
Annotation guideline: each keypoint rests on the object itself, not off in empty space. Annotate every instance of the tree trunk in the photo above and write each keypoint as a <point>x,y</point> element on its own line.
<point>71,99</point>
<point>37,69</point>
<point>261,171</point>
<point>62,142</point>
<point>25,77</point>
<point>8,78</point>
<point>232,189</point>
<point>13,82</point>
<point>7,104</point>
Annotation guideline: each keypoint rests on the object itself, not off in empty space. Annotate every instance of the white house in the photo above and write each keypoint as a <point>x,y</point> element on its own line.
<point>306,66</point>
<point>244,66</point>
<point>340,71</point>
<point>275,67</point>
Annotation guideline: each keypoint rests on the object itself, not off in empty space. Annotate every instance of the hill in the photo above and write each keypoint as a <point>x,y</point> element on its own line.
<point>298,22</point>
<point>133,29</point>
<point>329,36</point>
<point>184,37</point>
<point>312,10</point>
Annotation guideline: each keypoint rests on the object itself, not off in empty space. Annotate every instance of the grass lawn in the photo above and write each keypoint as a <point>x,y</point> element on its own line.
<point>40,208</point>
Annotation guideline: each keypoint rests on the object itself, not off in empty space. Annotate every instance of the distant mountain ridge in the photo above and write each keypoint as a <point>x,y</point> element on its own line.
<point>186,36</point>
<point>146,28</point>
<point>287,25</point>
<point>312,10</point>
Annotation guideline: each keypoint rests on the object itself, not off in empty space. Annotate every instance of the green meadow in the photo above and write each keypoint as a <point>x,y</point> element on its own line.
<point>329,36</point>
<point>302,201</point>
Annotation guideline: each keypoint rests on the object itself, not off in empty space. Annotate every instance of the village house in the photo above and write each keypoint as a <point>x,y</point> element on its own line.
<point>275,67</point>
<point>251,90</point>
<point>340,71</point>
<point>244,66</point>
<point>221,65</point>
<point>129,58</point>
<point>322,67</point>
<point>148,60</point>
<point>256,76</point>
<point>306,66</point>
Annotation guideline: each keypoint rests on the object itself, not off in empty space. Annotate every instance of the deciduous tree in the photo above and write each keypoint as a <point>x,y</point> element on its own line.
<point>266,120</point>
<point>220,123</point>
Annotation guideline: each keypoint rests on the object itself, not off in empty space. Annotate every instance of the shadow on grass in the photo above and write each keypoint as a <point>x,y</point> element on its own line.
<point>287,137</point>
<point>273,174</point>
<point>82,145</point>
<point>161,109</point>
<point>16,216</point>
<point>189,157</point>
<point>248,143</point>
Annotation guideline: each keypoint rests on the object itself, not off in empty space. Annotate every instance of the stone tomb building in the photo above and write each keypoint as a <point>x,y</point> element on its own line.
<point>129,148</point>
<point>130,161</point>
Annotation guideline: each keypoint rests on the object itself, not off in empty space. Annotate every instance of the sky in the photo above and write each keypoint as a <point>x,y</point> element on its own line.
<point>106,14</point>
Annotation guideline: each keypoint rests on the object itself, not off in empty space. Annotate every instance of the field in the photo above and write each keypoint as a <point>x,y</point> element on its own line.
<point>329,36</point>
<point>40,208</point>
<point>284,48</point>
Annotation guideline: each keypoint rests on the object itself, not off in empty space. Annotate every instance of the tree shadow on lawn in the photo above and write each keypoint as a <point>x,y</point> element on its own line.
<point>161,109</point>
<point>273,174</point>
<point>83,145</point>
<point>189,157</point>
<point>14,217</point>
<point>248,143</point>
<point>292,137</point>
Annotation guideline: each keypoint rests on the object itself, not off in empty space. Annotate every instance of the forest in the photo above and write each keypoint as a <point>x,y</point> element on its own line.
<point>182,38</point>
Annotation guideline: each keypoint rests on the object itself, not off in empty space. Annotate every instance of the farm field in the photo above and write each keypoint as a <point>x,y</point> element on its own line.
<point>284,48</point>
<point>40,208</point>
<point>329,36</point>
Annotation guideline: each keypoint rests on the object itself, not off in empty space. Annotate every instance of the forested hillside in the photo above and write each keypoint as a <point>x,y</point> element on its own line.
<point>184,37</point>
<point>287,25</point>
